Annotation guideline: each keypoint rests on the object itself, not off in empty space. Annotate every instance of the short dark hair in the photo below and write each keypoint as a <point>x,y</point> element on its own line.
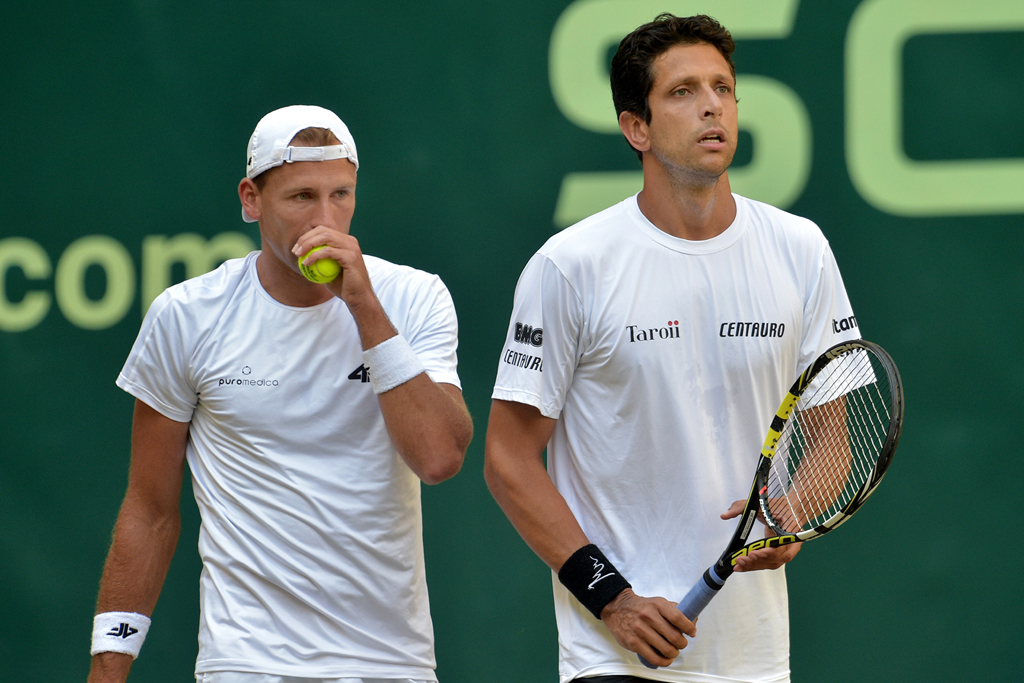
<point>632,75</point>
<point>307,137</point>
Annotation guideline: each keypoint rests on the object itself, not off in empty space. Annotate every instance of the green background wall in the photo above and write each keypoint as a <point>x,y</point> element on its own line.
<point>897,125</point>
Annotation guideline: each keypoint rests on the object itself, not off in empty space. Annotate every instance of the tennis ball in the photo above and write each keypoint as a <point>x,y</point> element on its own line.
<point>323,271</point>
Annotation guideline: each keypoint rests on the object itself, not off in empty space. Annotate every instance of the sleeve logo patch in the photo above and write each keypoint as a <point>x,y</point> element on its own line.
<point>526,334</point>
<point>844,324</point>
<point>522,360</point>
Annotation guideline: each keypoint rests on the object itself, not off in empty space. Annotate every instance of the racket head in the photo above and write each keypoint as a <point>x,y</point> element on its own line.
<point>832,440</point>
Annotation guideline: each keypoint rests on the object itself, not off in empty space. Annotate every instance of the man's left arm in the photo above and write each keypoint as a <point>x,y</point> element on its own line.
<point>428,422</point>
<point>826,301</point>
<point>429,425</point>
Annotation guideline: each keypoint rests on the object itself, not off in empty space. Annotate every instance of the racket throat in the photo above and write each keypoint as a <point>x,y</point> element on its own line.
<point>739,538</point>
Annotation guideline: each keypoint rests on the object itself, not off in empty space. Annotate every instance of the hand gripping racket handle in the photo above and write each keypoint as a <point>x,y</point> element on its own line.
<point>696,600</point>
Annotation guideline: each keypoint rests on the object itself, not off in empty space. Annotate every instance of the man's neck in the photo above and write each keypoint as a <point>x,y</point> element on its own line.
<point>287,287</point>
<point>690,211</point>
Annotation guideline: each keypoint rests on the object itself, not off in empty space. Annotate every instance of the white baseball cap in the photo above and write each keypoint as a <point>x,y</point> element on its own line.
<point>270,143</point>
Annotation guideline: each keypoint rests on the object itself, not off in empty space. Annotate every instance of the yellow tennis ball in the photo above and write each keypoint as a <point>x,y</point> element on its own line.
<point>323,271</point>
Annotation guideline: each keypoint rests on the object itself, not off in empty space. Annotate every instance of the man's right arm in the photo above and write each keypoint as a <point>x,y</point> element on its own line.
<point>146,532</point>
<point>517,435</point>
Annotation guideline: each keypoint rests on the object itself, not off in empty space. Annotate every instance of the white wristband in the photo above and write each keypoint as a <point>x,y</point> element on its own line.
<point>119,632</point>
<point>390,363</point>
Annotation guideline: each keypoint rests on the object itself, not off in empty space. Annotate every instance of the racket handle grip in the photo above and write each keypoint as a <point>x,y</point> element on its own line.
<point>696,600</point>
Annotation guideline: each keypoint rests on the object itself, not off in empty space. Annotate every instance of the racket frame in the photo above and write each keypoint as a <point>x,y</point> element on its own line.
<point>738,546</point>
<point>714,577</point>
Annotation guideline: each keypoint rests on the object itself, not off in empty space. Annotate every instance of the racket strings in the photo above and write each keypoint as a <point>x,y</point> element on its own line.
<point>830,446</point>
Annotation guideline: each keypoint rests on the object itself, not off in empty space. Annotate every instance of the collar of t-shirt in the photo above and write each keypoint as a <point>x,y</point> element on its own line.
<point>717,243</point>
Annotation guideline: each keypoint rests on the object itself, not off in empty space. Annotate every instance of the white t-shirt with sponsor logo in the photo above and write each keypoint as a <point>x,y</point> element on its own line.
<point>311,526</point>
<point>664,360</point>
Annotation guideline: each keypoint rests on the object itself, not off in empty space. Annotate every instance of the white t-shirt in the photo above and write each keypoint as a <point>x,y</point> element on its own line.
<point>664,360</point>
<point>311,527</point>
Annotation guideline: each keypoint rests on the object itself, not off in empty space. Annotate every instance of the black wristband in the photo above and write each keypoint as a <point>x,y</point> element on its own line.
<point>592,578</point>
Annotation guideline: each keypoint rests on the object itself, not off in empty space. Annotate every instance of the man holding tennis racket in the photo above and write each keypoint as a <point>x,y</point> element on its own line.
<point>308,413</point>
<point>648,348</point>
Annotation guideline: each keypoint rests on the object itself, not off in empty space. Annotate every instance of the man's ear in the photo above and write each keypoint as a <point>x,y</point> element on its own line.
<point>249,194</point>
<point>635,130</point>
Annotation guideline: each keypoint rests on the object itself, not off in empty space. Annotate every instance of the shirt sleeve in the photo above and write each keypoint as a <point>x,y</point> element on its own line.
<point>828,315</point>
<point>543,342</point>
<point>434,335</point>
<point>156,371</point>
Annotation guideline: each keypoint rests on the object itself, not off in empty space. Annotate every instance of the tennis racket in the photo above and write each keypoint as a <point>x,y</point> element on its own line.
<point>828,448</point>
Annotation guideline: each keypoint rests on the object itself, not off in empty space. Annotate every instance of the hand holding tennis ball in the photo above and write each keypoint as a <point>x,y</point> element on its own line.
<point>323,271</point>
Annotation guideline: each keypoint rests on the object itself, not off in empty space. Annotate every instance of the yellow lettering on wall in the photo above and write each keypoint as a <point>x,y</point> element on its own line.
<point>199,255</point>
<point>879,167</point>
<point>23,253</point>
<point>159,254</point>
<point>69,282</point>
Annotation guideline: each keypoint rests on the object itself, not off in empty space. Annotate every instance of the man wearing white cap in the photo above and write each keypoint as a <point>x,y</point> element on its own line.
<point>308,412</point>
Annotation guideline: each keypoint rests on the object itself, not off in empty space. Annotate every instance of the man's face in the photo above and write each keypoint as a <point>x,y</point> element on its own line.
<point>300,196</point>
<point>693,130</point>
